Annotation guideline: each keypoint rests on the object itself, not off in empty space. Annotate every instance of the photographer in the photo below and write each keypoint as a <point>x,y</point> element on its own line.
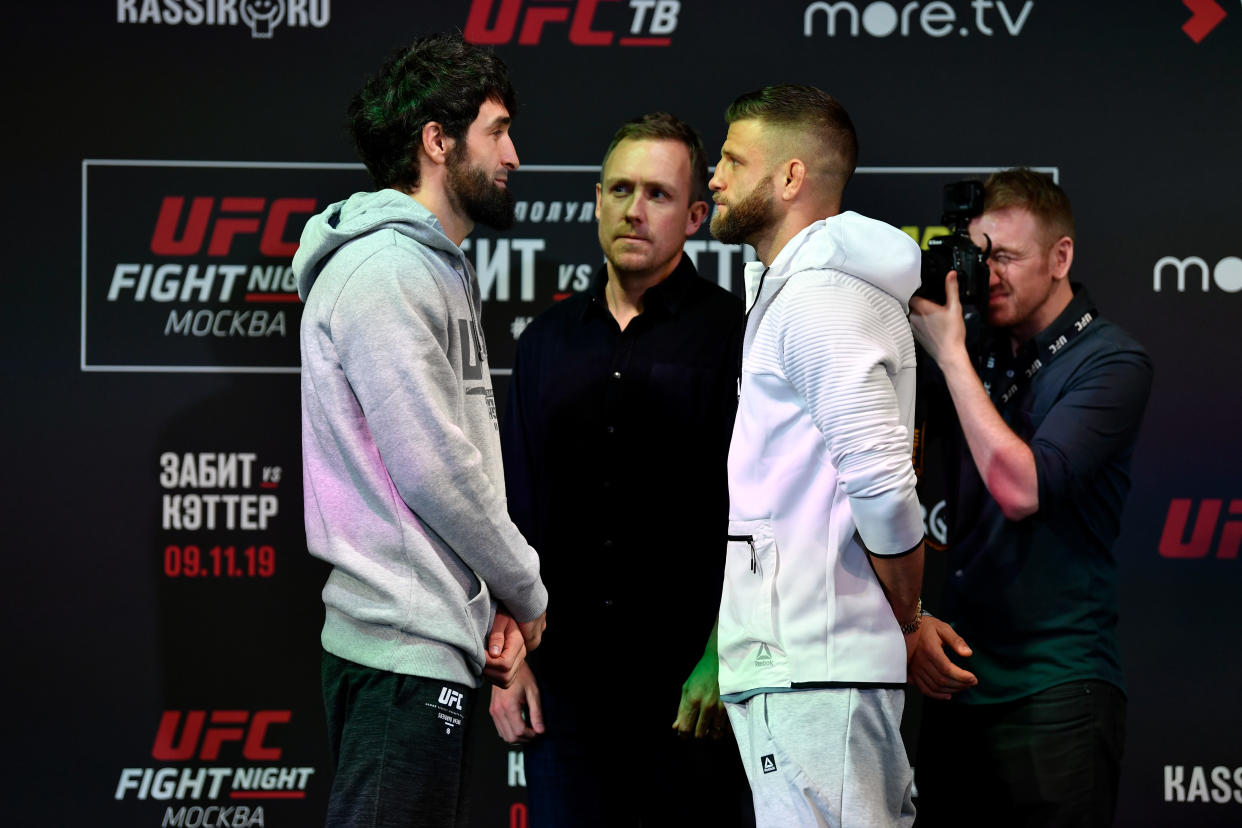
<point>1025,665</point>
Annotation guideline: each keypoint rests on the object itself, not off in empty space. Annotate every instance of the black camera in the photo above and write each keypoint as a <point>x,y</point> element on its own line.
<point>963,200</point>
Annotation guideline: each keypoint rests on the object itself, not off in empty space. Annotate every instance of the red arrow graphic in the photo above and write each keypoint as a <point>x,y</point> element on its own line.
<point>1207,15</point>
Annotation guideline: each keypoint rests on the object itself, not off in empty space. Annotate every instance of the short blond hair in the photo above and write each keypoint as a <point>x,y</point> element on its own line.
<point>1033,191</point>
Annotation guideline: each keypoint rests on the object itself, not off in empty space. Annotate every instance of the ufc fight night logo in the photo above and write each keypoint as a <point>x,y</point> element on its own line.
<point>197,735</point>
<point>228,218</point>
<point>191,742</point>
<point>187,265</point>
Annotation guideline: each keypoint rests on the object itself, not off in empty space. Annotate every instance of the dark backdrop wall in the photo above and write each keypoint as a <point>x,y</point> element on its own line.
<point>162,612</point>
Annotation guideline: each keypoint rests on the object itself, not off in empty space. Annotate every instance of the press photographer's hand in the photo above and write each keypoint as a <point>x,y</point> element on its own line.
<point>940,329</point>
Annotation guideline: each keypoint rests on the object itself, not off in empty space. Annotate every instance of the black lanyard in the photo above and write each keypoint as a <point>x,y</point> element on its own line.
<point>1028,364</point>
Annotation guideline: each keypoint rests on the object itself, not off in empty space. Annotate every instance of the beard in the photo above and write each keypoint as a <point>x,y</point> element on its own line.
<point>741,222</point>
<point>472,191</point>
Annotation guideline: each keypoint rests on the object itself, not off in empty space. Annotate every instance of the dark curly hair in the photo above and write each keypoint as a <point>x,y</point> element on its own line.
<point>437,78</point>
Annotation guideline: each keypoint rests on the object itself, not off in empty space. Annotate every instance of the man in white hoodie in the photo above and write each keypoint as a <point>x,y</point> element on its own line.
<point>405,492</point>
<point>825,551</point>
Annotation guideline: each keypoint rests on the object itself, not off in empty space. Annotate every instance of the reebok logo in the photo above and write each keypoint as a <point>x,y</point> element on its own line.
<point>764,657</point>
<point>768,763</point>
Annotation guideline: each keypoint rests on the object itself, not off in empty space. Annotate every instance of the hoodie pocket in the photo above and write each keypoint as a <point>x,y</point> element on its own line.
<point>478,618</point>
<point>748,608</point>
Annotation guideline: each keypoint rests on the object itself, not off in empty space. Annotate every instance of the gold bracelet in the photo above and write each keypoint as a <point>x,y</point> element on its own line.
<point>913,626</point>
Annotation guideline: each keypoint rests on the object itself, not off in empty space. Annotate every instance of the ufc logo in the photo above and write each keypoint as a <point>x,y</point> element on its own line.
<point>235,217</point>
<point>1175,544</point>
<point>202,738</point>
<point>651,22</point>
<point>450,697</point>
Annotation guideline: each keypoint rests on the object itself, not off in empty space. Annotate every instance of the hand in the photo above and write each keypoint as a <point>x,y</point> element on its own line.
<point>940,329</point>
<point>700,713</point>
<point>532,631</point>
<point>930,669</point>
<point>506,708</point>
<point>506,650</point>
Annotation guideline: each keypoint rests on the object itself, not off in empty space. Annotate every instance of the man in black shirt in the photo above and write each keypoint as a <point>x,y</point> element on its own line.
<point>615,440</point>
<point>1030,722</point>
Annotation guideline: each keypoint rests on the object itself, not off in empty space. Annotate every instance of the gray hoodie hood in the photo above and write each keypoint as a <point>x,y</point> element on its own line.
<point>360,214</point>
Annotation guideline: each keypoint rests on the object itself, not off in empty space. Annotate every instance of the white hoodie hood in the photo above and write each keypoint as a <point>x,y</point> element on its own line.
<point>871,250</point>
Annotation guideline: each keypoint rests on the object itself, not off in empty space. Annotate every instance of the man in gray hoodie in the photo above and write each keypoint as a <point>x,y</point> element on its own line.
<point>401,452</point>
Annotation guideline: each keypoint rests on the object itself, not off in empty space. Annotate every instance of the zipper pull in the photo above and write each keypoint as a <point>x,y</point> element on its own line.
<point>750,541</point>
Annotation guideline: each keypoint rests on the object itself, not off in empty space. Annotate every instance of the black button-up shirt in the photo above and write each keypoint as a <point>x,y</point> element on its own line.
<point>615,447</point>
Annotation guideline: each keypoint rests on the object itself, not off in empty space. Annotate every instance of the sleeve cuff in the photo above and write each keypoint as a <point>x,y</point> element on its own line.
<point>889,525</point>
<point>528,606</point>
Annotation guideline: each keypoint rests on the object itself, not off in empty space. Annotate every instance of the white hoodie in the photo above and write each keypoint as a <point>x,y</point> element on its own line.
<point>820,464</point>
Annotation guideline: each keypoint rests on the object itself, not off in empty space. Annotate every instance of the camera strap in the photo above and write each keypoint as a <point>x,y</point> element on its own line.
<point>1004,378</point>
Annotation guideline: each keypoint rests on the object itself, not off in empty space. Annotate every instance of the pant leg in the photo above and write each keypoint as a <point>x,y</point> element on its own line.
<point>1052,758</point>
<point>676,780</point>
<point>613,759</point>
<point>956,783</point>
<point>825,757</point>
<point>878,784</point>
<point>398,746</point>
<point>1059,751</point>
<point>570,773</point>
<point>685,782</point>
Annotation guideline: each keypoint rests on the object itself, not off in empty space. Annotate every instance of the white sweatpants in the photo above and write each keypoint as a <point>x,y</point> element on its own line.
<point>825,758</point>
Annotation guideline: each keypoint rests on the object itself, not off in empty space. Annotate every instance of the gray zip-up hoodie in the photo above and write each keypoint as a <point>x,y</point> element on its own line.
<point>400,446</point>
